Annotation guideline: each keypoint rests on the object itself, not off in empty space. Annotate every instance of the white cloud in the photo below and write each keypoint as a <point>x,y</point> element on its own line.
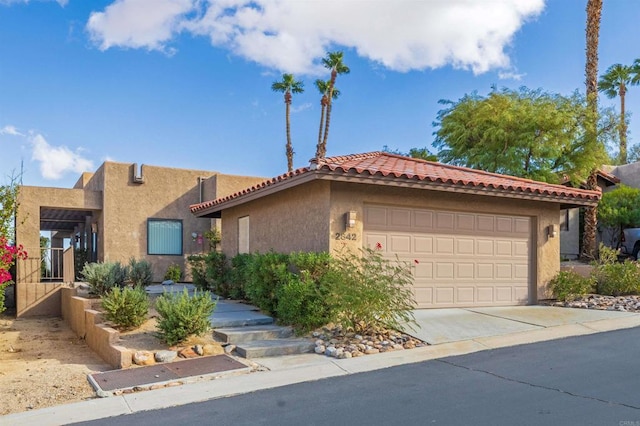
<point>62,3</point>
<point>10,130</point>
<point>299,108</point>
<point>290,35</point>
<point>55,161</point>
<point>510,75</point>
<point>138,23</point>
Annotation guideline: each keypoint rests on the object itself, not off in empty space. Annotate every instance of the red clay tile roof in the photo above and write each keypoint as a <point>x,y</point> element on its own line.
<point>382,164</point>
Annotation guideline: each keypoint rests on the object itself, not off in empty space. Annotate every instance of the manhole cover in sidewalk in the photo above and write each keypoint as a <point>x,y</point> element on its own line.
<point>140,376</point>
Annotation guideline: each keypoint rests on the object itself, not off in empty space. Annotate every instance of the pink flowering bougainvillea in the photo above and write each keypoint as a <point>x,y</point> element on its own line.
<point>8,255</point>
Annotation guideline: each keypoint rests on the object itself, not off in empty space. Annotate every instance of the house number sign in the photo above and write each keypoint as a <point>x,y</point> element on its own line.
<point>342,236</point>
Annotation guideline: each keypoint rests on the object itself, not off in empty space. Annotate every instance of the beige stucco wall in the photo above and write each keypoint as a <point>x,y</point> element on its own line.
<point>295,219</point>
<point>311,217</point>
<point>165,194</point>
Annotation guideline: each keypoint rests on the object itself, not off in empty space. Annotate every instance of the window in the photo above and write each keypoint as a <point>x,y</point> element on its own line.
<point>564,220</point>
<point>243,234</point>
<point>164,236</point>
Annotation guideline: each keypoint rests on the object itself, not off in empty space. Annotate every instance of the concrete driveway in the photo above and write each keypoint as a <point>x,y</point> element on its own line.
<point>436,326</point>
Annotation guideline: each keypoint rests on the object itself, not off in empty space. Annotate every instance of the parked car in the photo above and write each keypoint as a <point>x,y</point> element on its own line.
<point>630,243</point>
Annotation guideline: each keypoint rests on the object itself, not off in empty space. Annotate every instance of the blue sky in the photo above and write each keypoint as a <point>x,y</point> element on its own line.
<point>186,83</point>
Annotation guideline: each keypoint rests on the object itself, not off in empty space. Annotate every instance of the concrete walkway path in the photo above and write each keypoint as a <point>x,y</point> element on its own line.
<point>452,331</point>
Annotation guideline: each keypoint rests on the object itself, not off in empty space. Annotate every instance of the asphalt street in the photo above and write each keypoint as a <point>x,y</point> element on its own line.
<point>587,380</point>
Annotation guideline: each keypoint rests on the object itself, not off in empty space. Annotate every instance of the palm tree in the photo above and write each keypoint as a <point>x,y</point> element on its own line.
<point>288,85</point>
<point>323,88</point>
<point>614,83</point>
<point>594,12</point>
<point>333,61</point>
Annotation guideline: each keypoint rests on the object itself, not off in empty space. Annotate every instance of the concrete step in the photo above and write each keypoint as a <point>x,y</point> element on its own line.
<point>238,319</point>
<point>237,335</point>
<point>275,347</point>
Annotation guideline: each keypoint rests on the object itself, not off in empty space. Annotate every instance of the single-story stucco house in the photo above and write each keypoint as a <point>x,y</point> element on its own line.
<point>118,212</point>
<point>475,238</point>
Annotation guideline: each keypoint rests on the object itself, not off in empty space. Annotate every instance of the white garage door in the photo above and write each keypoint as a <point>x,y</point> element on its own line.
<point>459,259</point>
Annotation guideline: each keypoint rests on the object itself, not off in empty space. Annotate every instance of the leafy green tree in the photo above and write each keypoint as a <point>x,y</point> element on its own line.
<point>288,85</point>
<point>334,62</point>
<point>620,208</point>
<point>527,133</point>
<point>420,153</point>
<point>615,83</point>
<point>8,207</point>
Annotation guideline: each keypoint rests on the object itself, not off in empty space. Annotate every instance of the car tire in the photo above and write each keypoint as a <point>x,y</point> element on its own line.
<point>636,250</point>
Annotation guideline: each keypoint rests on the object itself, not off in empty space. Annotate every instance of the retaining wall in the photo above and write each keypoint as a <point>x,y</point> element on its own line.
<point>88,324</point>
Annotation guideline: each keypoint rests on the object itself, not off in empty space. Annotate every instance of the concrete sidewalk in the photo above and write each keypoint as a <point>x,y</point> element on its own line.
<point>470,330</point>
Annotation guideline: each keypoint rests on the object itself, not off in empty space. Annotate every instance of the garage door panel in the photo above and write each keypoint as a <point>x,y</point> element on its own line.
<point>423,220</point>
<point>465,294</point>
<point>444,270</point>
<point>484,247</point>
<point>423,245</point>
<point>424,269</point>
<point>484,270</point>
<point>504,271</point>
<point>465,270</point>
<point>400,244</point>
<point>521,249</point>
<point>504,224</point>
<point>503,248</point>
<point>376,216</point>
<point>464,246</point>
<point>457,258</point>
<point>445,221</point>
<point>400,218</point>
<point>424,296</point>
<point>485,223</point>
<point>465,222</point>
<point>503,294</point>
<point>376,241</point>
<point>444,295</point>
<point>485,294</point>
<point>444,245</point>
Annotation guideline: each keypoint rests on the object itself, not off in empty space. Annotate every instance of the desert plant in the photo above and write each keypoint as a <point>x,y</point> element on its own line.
<point>214,237</point>
<point>302,304</point>
<point>174,273</point>
<point>371,292</point>
<point>182,316</point>
<point>198,267</point>
<point>102,277</point>
<point>127,307</point>
<point>615,278</point>
<point>568,285</point>
<point>140,272</point>
<point>217,273</point>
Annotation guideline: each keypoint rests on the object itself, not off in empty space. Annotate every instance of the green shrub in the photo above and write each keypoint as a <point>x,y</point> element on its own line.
<point>182,316</point>
<point>568,285</point>
<point>370,291</point>
<point>267,272</point>
<point>302,304</point>
<point>198,268</point>
<point>102,277</point>
<point>614,278</point>
<point>239,275</point>
<point>140,272</point>
<point>127,308</point>
<point>3,287</point>
<point>174,273</point>
<point>217,273</point>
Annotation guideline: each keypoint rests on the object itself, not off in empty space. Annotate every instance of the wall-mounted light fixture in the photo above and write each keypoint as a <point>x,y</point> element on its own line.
<point>350,219</point>
<point>552,231</point>
<point>194,235</point>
